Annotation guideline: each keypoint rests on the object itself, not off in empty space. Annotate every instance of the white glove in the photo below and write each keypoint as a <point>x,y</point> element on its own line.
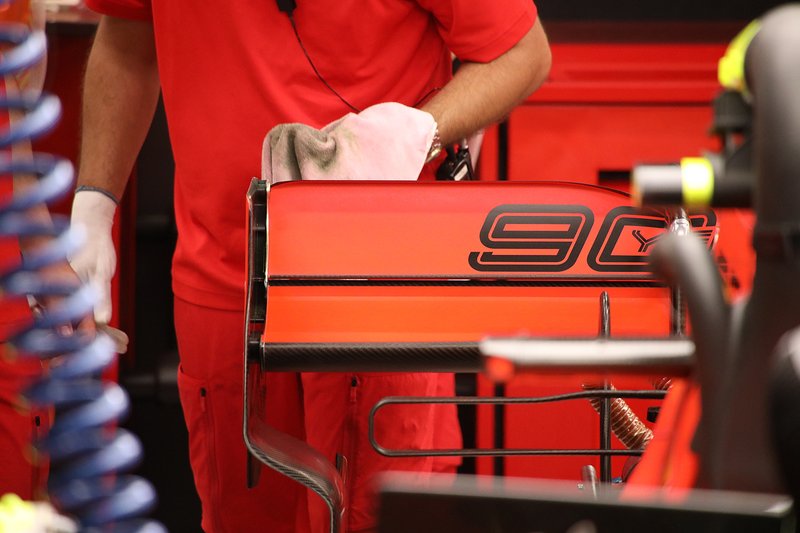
<point>96,261</point>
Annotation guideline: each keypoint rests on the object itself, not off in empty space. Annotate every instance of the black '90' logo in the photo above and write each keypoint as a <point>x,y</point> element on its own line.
<point>550,238</point>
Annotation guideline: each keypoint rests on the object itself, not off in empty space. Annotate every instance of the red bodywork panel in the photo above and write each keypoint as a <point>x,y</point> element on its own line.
<point>460,230</point>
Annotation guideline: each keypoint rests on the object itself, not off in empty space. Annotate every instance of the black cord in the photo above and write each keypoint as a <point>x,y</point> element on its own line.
<point>289,13</point>
<point>308,57</point>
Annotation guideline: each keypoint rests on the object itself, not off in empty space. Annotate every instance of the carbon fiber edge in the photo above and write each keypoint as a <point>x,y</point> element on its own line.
<point>372,357</point>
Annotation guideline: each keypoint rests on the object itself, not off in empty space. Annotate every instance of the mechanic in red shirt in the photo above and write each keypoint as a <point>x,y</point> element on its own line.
<point>229,72</point>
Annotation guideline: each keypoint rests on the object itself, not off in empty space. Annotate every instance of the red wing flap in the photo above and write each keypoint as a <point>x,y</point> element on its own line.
<point>429,230</point>
<point>456,314</point>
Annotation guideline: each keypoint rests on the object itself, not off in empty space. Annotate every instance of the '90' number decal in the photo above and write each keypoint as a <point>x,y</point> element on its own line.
<point>550,238</point>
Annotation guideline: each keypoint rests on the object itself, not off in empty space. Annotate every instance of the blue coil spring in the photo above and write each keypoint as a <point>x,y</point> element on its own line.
<point>88,454</point>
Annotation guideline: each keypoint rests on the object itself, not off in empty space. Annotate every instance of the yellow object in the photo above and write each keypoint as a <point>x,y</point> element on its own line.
<point>731,66</point>
<point>697,182</point>
<point>15,514</point>
<point>18,516</point>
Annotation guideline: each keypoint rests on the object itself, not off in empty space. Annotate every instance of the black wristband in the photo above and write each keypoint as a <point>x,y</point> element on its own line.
<point>102,191</point>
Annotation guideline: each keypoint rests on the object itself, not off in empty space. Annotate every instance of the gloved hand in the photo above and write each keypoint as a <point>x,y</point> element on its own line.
<point>96,262</point>
<point>387,141</point>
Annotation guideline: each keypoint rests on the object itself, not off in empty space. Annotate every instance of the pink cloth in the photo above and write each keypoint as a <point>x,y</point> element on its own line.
<point>388,141</point>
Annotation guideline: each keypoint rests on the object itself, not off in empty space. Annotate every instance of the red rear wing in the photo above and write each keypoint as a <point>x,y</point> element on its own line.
<point>449,262</point>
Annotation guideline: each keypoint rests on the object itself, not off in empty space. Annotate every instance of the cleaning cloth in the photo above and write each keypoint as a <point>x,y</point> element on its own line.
<point>387,141</point>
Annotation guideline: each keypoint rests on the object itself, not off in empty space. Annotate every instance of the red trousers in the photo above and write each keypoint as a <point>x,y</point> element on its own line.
<point>21,471</point>
<point>328,410</point>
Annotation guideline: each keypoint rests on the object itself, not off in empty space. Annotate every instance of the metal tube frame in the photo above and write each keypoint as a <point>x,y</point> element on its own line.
<point>603,451</point>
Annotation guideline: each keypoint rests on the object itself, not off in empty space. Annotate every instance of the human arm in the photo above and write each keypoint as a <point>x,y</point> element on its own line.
<point>121,89</point>
<point>483,93</point>
<point>120,94</point>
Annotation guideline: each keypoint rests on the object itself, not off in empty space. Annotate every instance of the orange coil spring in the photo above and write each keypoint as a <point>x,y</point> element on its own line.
<point>662,383</point>
<point>624,423</point>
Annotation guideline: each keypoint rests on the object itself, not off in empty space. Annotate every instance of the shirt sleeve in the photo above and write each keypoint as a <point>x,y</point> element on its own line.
<point>481,30</point>
<point>126,9</point>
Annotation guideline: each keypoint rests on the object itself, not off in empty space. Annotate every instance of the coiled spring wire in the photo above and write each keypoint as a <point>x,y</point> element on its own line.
<point>87,453</point>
